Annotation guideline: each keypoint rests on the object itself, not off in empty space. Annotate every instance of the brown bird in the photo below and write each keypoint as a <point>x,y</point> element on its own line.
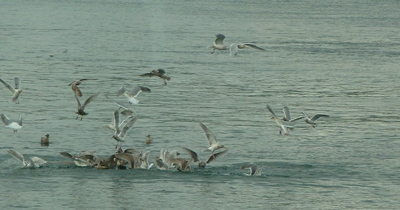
<point>75,88</point>
<point>159,73</point>
<point>44,141</point>
<point>148,140</point>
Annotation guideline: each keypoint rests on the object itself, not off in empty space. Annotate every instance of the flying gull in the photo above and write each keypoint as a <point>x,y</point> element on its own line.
<point>15,91</point>
<point>13,124</point>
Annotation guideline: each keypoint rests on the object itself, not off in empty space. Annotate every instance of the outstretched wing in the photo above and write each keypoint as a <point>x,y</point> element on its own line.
<point>254,46</point>
<point>216,155</point>
<point>16,155</point>
<point>91,98</point>
<point>17,83</point>
<point>209,135</point>
<point>5,119</point>
<point>8,86</point>
<point>219,39</point>
<point>270,110</point>
<point>116,121</point>
<point>317,116</point>
<point>233,49</point>
<point>128,126</point>
<point>286,112</point>
<point>192,154</point>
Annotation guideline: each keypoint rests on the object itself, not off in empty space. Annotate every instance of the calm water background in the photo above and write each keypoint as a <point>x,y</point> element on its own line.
<point>334,57</point>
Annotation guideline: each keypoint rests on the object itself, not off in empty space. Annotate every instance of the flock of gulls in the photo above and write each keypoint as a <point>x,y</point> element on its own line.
<point>124,118</point>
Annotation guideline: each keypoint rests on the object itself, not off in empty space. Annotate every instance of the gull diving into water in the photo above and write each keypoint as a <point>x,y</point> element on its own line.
<point>283,128</point>
<point>13,124</point>
<point>33,161</point>
<point>159,73</point>
<point>15,91</point>
<point>131,95</point>
<point>81,108</point>
<point>312,121</point>
<point>212,140</point>
<point>254,170</point>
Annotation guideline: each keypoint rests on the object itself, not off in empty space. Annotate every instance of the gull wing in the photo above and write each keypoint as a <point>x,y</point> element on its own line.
<point>17,155</point>
<point>286,112</point>
<point>233,49</point>
<point>8,86</point>
<point>20,120</point>
<point>37,161</point>
<point>91,98</point>
<point>192,154</point>
<point>298,118</point>
<point>77,100</point>
<point>121,91</point>
<point>138,89</point>
<point>254,46</point>
<point>147,74</point>
<point>209,135</point>
<point>128,126</point>
<point>126,157</point>
<point>17,82</point>
<point>116,122</point>
<point>66,154</point>
<point>270,110</point>
<point>216,155</point>
<point>219,39</point>
<point>317,116</point>
<point>5,119</point>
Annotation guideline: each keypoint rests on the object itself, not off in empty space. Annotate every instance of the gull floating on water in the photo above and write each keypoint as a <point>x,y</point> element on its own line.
<point>312,121</point>
<point>81,108</point>
<point>44,141</point>
<point>283,128</point>
<point>33,161</point>
<point>254,170</point>
<point>131,95</point>
<point>159,73</point>
<point>15,91</point>
<point>160,163</point>
<point>212,140</point>
<point>145,161</point>
<point>13,124</point>
<point>148,140</point>
<point>166,156</point>
<point>83,159</point>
